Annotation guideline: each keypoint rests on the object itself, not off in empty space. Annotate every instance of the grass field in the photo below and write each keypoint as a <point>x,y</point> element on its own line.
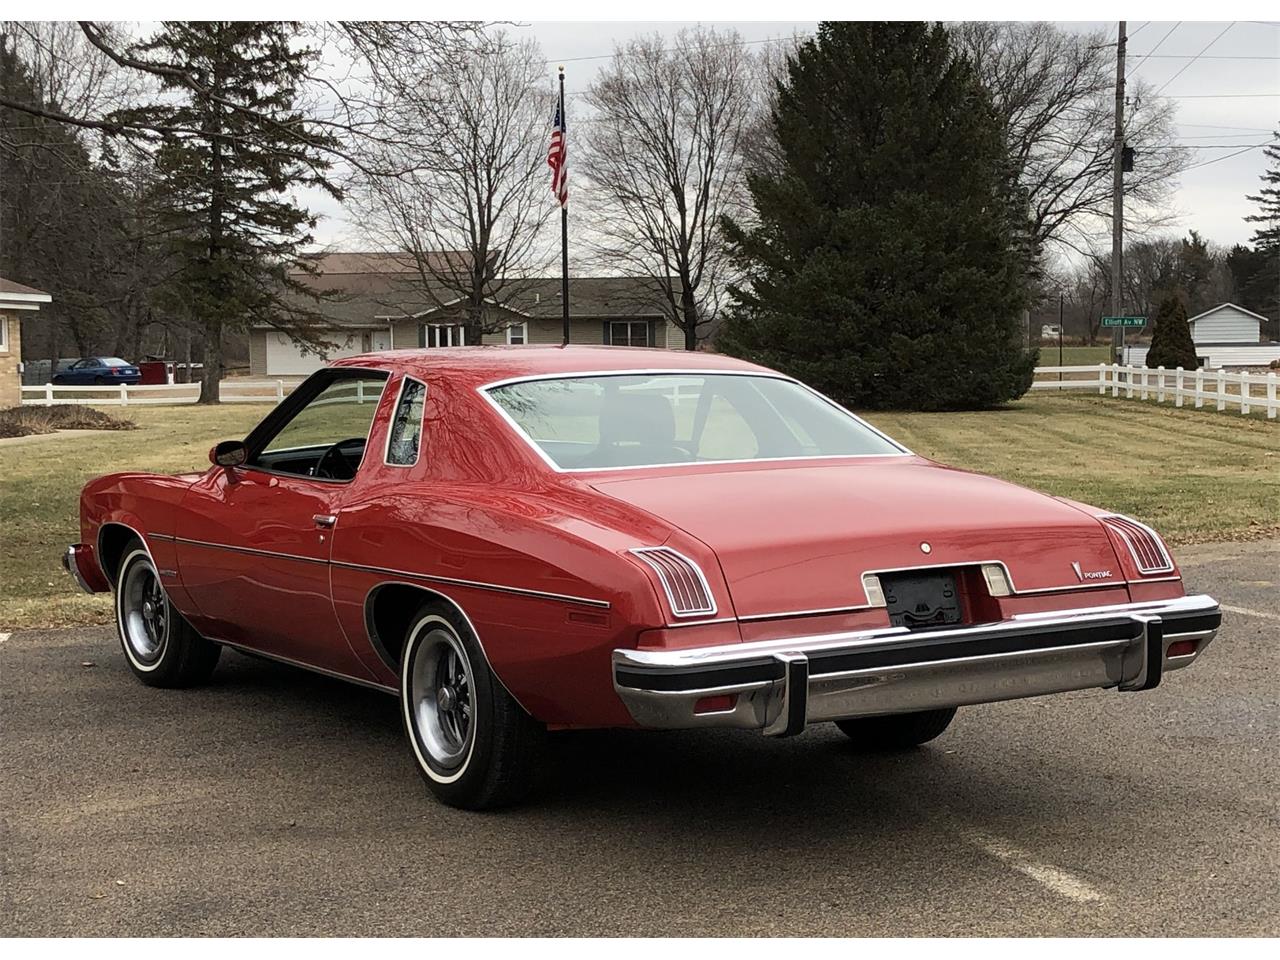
<point>1073,356</point>
<point>1195,475</point>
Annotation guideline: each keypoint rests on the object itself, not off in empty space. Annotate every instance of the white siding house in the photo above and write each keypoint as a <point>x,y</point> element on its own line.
<point>1225,336</point>
<point>1226,323</point>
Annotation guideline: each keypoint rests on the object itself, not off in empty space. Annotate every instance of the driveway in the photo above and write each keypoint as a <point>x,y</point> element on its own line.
<point>278,802</point>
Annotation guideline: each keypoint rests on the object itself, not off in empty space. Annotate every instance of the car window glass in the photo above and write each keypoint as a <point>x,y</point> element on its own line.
<point>406,425</point>
<point>341,411</point>
<point>593,421</point>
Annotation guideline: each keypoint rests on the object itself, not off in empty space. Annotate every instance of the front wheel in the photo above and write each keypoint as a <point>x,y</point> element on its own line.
<point>161,648</point>
<point>474,745</point>
<point>897,731</point>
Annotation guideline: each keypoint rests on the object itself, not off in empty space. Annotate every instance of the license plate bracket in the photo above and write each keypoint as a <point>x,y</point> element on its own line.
<point>920,601</point>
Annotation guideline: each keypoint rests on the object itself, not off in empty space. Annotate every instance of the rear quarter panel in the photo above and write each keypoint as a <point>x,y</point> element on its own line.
<point>549,594</point>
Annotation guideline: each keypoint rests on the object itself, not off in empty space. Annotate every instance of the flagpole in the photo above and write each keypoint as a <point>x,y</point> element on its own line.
<point>564,225</point>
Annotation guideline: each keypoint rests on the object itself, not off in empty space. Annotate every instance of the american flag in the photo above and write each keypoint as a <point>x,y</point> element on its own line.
<point>557,157</point>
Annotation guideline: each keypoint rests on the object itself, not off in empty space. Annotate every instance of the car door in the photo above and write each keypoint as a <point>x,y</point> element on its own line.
<point>81,372</point>
<point>253,541</point>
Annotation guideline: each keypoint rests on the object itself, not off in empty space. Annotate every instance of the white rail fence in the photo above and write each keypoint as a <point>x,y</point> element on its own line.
<point>1246,391</point>
<point>233,391</point>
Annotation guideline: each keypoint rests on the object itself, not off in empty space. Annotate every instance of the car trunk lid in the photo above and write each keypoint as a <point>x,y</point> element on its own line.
<point>798,536</point>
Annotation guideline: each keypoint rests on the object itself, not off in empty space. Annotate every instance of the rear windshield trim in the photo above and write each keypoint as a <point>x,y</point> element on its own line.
<point>691,372</point>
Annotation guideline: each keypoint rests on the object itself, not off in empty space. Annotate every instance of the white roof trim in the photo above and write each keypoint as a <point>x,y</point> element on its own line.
<point>1223,306</point>
<point>23,301</point>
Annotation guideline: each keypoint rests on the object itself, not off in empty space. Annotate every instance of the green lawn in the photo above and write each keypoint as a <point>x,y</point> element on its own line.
<point>1195,475</point>
<point>1073,356</point>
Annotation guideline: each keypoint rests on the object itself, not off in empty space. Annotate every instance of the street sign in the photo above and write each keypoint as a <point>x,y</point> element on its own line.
<point>1124,321</point>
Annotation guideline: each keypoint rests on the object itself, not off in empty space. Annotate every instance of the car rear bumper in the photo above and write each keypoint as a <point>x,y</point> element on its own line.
<point>779,686</point>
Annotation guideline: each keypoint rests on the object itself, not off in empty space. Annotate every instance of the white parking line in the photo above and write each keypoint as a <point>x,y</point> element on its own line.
<point>1249,613</point>
<point>1061,882</point>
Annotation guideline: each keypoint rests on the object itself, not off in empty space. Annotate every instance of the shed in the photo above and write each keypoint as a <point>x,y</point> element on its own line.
<point>1226,323</point>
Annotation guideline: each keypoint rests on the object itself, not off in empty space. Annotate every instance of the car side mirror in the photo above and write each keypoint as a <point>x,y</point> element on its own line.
<point>229,453</point>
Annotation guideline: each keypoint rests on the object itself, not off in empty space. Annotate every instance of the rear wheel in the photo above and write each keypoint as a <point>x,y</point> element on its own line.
<point>474,745</point>
<point>161,648</point>
<point>897,731</point>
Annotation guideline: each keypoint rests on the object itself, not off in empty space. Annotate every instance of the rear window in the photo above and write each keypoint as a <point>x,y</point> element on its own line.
<point>628,420</point>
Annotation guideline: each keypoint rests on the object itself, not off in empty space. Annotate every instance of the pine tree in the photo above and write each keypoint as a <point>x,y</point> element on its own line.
<point>889,264</point>
<point>1267,237</point>
<point>235,145</point>
<point>1171,343</point>
<point>1263,285</point>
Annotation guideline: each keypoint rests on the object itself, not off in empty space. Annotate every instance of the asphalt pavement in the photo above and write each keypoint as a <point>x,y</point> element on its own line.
<point>276,802</point>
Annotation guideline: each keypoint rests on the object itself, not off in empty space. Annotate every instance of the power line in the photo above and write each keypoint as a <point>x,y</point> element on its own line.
<point>1209,96</point>
<point>1228,156</point>
<point>1194,59</point>
<point>1217,146</point>
<point>1211,126</point>
<point>1135,67</point>
<point>1217,136</point>
<point>1212,56</point>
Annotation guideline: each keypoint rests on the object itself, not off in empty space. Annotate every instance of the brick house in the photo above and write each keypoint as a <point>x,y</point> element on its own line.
<point>14,299</point>
<point>380,305</point>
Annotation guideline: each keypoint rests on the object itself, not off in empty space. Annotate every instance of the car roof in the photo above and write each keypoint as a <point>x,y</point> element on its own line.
<point>482,365</point>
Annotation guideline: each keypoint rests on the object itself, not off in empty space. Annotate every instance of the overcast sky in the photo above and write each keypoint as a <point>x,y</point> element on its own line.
<point>1226,84</point>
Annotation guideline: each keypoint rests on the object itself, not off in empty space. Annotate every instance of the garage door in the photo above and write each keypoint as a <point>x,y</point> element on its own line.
<point>285,358</point>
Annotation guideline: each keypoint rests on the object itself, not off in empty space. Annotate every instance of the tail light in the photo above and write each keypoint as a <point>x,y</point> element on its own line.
<point>1145,546</point>
<point>687,591</point>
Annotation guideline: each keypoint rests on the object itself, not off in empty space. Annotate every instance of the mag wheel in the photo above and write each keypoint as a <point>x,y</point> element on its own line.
<point>160,647</point>
<point>897,731</point>
<point>474,745</point>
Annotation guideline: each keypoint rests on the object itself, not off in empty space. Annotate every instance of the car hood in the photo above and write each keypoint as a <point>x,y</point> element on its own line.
<point>798,536</point>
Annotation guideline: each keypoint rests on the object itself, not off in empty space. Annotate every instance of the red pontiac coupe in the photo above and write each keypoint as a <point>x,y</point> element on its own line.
<point>518,540</point>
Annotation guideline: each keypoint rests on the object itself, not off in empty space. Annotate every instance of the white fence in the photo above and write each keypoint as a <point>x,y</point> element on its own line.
<point>1246,391</point>
<point>233,391</point>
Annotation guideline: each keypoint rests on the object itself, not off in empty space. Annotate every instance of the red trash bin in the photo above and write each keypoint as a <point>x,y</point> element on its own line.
<point>156,371</point>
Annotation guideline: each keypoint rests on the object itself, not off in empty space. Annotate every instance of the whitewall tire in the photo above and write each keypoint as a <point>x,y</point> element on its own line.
<point>473,744</point>
<point>160,647</point>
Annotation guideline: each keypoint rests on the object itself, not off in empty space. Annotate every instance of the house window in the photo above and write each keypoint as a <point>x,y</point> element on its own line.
<point>518,334</point>
<point>442,335</point>
<point>628,333</point>
<point>4,333</point>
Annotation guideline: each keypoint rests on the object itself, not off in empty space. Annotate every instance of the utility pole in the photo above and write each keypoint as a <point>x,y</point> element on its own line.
<point>1117,203</point>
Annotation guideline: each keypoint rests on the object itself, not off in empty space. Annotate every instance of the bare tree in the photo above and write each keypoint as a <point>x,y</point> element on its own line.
<point>345,101</point>
<point>664,158</point>
<point>1056,90</point>
<point>467,203</point>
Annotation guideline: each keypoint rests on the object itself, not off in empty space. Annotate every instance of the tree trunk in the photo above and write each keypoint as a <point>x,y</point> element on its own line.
<point>689,319</point>
<point>211,375</point>
<point>211,378</point>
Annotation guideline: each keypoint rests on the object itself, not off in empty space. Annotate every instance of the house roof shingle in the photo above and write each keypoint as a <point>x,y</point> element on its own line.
<point>374,288</point>
<point>11,286</point>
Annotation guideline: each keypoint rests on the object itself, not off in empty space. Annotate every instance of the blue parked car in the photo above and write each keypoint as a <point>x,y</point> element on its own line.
<point>106,371</point>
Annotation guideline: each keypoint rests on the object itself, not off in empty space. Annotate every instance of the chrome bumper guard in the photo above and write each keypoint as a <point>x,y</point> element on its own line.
<point>779,686</point>
<point>69,564</point>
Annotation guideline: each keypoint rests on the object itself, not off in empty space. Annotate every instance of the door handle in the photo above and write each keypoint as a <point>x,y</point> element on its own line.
<point>324,519</point>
